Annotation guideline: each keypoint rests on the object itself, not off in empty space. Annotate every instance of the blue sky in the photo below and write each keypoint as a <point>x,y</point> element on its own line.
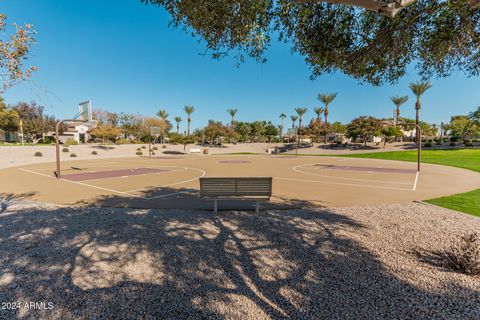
<point>123,56</point>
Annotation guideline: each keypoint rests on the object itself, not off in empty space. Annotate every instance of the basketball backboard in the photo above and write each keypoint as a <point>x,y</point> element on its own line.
<point>85,109</point>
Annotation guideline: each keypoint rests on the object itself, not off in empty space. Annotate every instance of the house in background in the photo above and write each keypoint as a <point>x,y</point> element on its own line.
<point>78,133</point>
<point>7,136</point>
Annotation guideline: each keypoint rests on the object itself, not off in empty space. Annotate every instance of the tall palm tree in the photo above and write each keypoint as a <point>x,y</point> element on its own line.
<point>419,89</point>
<point>294,118</point>
<point>318,111</point>
<point>178,120</point>
<point>327,99</point>
<point>300,112</point>
<point>189,110</point>
<point>163,114</point>
<point>282,116</point>
<point>232,113</point>
<point>398,101</point>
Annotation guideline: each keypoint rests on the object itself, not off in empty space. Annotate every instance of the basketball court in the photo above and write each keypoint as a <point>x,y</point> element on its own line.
<point>173,182</point>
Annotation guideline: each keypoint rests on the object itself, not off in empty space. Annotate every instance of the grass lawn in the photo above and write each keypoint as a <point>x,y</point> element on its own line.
<point>463,158</point>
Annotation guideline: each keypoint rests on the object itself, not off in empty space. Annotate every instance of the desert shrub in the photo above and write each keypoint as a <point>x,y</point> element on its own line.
<point>38,154</point>
<point>139,153</point>
<point>139,149</point>
<point>94,152</point>
<point>65,150</point>
<point>464,254</point>
<point>71,142</point>
<point>452,144</point>
<point>144,147</point>
<point>155,148</point>
<point>73,155</point>
<point>153,153</point>
<point>428,145</point>
<point>164,147</point>
<point>122,141</point>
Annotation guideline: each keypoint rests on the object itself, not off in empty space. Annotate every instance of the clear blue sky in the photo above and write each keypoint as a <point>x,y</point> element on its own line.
<point>123,56</point>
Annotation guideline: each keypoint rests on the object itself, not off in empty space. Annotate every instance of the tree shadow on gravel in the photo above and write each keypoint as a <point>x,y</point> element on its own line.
<point>175,264</point>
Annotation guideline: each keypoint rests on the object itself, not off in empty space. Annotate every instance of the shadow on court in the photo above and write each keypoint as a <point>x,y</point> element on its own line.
<point>187,198</point>
<point>175,264</point>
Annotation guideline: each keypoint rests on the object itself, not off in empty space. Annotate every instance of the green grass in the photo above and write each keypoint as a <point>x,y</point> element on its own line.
<point>468,202</point>
<point>462,158</point>
<point>465,202</point>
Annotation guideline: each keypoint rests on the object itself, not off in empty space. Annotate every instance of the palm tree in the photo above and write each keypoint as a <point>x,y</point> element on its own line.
<point>232,113</point>
<point>318,111</point>
<point>300,112</point>
<point>163,114</point>
<point>326,99</point>
<point>398,101</point>
<point>189,110</point>
<point>282,116</point>
<point>178,120</point>
<point>419,89</point>
<point>294,118</point>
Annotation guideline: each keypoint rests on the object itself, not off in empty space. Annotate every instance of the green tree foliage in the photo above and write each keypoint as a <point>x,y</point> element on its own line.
<point>232,113</point>
<point>270,131</point>
<point>9,119</point>
<point>388,133</point>
<point>178,120</point>
<point>35,123</point>
<point>464,127</point>
<point>364,128</point>
<point>215,131</point>
<point>398,101</point>
<point>14,51</point>
<point>163,114</point>
<point>300,112</point>
<point>338,127</point>
<point>243,130</point>
<point>106,132</point>
<point>475,116</point>
<point>130,125</point>
<point>438,37</point>
<point>326,99</point>
<point>189,110</point>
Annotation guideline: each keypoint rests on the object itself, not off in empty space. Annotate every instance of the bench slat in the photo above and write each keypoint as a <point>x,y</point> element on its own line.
<point>236,187</point>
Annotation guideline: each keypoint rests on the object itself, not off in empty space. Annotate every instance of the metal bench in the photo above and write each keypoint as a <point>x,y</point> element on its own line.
<point>236,188</point>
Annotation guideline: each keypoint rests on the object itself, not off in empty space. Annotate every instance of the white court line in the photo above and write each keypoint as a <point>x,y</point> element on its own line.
<point>83,184</point>
<point>175,183</point>
<point>344,184</point>
<point>334,177</point>
<point>416,180</point>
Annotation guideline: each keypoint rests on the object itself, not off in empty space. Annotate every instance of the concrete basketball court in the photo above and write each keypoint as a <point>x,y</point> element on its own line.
<point>172,181</point>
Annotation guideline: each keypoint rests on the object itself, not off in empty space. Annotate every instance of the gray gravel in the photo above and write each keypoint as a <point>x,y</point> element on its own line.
<point>346,263</point>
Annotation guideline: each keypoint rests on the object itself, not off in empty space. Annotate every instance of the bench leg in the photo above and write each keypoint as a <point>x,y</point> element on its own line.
<point>214,205</point>
<point>257,207</point>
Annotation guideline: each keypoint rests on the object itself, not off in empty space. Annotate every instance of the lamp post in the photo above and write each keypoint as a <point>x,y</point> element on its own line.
<point>57,142</point>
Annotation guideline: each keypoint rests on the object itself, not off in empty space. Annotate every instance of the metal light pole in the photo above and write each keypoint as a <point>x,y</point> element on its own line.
<point>57,142</point>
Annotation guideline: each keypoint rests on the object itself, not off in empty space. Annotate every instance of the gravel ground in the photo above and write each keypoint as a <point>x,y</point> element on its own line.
<point>346,263</point>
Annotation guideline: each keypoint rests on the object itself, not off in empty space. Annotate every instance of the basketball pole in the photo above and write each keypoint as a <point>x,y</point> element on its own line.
<point>57,143</point>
